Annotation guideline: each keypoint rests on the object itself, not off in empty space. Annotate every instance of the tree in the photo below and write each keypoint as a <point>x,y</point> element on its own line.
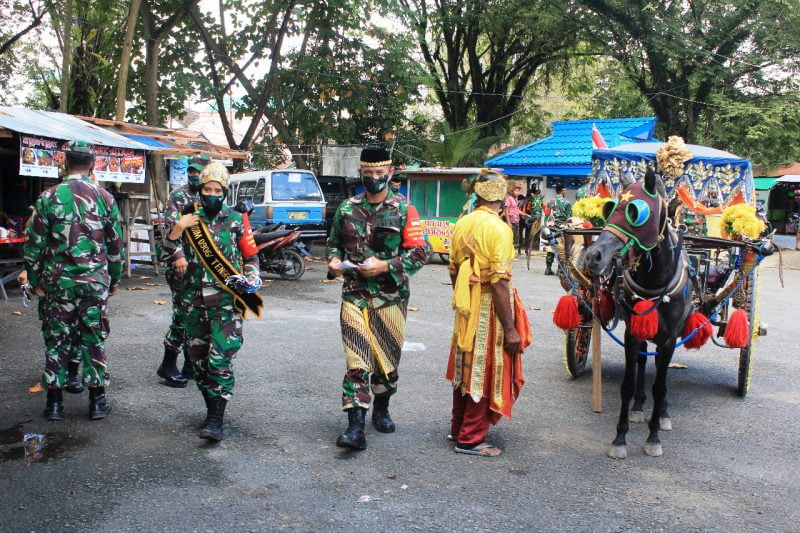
<point>679,55</point>
<point>11,11</point>
<point>460,148</point>
<point>482,56</point>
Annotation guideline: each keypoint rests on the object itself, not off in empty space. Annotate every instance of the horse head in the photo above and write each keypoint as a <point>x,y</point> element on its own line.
<point>635,218</point>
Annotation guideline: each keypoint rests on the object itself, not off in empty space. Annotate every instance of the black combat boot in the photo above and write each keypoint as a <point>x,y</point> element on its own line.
<point>188,370</point>
<point>212,429</point>
<point>98,406</point>
<point>354,437</point>
<point>380,414</point>
<point>74,384</point>
<point>168,370</point>
<point>549,270</point>
<point>54,409</point>
<point>207,400</point>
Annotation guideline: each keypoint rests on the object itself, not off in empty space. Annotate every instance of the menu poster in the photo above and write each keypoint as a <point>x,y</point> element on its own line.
<point>40,157</point>
<point>118,164</point>
<point>45,158</point>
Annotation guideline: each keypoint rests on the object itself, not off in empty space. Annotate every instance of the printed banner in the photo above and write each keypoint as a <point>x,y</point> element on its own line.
<point>45,158</point>
<point>178,175</point>
<point>438,232</point>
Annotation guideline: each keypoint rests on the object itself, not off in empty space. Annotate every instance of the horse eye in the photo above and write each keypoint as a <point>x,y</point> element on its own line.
<point>637,212</point>
<point>608,208</point>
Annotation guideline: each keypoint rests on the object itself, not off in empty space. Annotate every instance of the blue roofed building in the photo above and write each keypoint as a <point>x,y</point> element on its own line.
<point>565,156</point>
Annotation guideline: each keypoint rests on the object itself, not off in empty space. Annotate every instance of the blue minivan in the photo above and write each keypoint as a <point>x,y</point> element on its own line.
<point>292,197</point>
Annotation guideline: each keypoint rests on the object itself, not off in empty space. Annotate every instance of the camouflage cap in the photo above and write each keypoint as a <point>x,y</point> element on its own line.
<point>80,147</point>
<point>215,171</point>
<point>196,166</point>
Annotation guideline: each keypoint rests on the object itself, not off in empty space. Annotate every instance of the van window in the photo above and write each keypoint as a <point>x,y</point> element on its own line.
<point>258,194</point>
<point>245,191</point>
<point>295,186</point>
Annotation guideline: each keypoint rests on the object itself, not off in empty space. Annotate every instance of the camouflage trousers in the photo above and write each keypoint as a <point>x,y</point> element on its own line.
<point>182,297</point>
<point>214,335</point>
<point>356,385</point>
<point>75,322</point>
<point>75,356</point>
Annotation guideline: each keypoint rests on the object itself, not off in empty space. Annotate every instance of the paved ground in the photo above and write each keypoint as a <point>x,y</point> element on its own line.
<point>729,464</point>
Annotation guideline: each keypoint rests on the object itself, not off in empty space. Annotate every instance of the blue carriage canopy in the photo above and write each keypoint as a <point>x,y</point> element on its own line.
<point>708,170</point>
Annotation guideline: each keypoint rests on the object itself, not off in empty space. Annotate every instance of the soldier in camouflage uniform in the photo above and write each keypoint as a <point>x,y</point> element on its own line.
<point>559,210</point>
<point>381,233</point>
<point>73,258</point>
<point>182,295</point>
<point>213,325</point>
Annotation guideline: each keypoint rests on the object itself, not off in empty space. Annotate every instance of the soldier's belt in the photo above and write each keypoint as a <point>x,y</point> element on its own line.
<point>221,269</point>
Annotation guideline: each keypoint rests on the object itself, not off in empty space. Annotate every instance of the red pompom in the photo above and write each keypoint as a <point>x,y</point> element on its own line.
<point>737,332</point>
<point>607,307</point>
<point>644,327</point>
<point>697,320</point>
<point>566,315</point>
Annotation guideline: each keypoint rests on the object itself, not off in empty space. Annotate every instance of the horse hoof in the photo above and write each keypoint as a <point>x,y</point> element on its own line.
<point>618,451</point>
<point>665,424</point>
<point>653,450</point>
<point>636,417</point>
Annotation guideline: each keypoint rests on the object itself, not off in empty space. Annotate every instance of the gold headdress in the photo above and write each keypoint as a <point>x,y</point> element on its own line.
<point>490,185</point>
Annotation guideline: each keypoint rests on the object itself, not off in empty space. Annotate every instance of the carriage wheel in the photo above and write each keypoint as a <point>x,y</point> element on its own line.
<point>577,349</point>
<point>746,353</point>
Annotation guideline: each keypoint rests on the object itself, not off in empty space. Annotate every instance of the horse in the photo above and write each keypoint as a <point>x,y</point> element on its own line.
<point>640,249</point>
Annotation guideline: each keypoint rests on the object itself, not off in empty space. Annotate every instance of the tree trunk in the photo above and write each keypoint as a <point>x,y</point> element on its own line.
<point>125,60</point>
<point>67,57</point>
<point>151,81</point>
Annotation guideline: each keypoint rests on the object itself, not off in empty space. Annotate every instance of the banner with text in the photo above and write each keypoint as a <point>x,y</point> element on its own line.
<point>43,157</point>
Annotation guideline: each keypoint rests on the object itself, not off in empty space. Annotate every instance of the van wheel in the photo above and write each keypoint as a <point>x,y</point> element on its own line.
<point>294,265</point>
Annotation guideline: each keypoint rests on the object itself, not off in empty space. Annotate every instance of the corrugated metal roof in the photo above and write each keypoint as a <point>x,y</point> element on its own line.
<point>62,127</point>
<point>570,145</point>
<point>149,141</point>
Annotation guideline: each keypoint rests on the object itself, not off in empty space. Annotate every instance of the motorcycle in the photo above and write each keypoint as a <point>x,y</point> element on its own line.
<point>279,250</point>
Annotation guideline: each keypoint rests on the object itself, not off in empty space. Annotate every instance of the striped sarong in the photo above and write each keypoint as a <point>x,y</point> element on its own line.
<point>373,338</point>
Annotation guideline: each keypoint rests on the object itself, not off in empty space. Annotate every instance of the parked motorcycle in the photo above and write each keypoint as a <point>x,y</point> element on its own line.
<point>279,250</point>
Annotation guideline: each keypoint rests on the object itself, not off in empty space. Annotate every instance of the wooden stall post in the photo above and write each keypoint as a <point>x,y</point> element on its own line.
<point>597,369</point>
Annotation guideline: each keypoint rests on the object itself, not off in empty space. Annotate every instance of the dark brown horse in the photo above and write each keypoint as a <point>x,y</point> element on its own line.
<point>640,249</point>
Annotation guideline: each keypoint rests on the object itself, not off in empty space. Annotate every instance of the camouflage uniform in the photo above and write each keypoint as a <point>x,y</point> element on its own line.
<point>73,250</point>
<point>182,295</point>
<point>560,210</point>
<point>213,326</point>
<point>361,230</point>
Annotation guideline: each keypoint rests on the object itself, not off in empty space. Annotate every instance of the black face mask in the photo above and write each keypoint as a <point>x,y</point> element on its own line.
<point>194,182</point>
<point>376,184</point>
<point>211,204</point>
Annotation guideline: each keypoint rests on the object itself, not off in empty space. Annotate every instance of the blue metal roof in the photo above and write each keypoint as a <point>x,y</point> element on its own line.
<point>149,141</point>
<point>62,127</point>
<point>568,150</point>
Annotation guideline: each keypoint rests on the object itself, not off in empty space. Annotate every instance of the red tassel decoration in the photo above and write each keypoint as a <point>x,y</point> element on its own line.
<point>566,315</point>
<point>696,320</point>
<point>644,327</point>
<point>737,332</point>
<point>607,307</point>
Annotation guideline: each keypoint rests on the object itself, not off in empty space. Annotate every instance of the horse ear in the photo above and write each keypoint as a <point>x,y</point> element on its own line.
<point>650,181</point>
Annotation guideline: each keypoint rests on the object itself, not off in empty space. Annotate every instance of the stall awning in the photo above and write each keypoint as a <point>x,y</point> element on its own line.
<point>62,127</point>
<point>764,183</point>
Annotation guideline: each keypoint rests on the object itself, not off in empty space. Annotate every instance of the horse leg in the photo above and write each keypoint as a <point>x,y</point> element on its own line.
<point>653,445</point>
<point>639,396</point>
<point>618,449</point>
<point>664,421</point>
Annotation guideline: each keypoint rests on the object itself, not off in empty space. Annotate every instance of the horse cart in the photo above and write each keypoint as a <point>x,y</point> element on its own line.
<point>698,185</point>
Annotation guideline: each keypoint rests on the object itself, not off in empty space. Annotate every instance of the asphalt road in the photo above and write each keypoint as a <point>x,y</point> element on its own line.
<point>729,464</point>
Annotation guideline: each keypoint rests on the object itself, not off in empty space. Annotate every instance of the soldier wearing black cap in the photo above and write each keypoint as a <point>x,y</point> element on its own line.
<point>379,233</point>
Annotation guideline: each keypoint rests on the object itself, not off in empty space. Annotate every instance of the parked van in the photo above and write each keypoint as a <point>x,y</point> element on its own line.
<point>289,196</point>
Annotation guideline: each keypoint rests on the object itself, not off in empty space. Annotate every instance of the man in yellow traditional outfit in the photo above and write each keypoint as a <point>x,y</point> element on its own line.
<point>491,326</point>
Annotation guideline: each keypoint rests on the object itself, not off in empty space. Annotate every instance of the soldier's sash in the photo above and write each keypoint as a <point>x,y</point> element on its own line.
<point>221,269</point>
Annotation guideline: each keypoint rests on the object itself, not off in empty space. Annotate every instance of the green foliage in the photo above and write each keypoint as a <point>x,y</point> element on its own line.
<point>460,148</point>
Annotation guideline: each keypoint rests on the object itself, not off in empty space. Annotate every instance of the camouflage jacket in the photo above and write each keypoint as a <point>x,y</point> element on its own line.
<point>361,230</point>
<point>560,209</point>
<point>178,200</point>
<point>74,236</point>
<point>227,229</point>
